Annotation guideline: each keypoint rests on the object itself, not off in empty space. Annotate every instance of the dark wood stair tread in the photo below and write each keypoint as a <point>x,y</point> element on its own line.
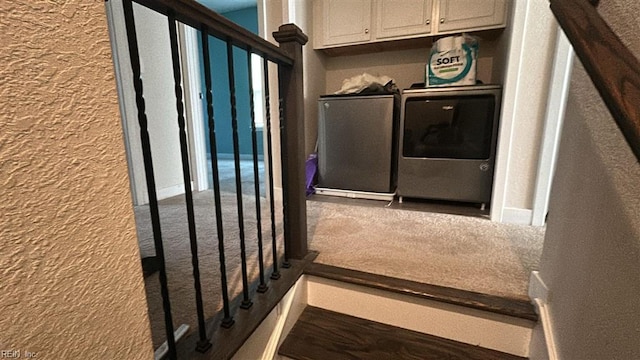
<point>497,304</point>
<point>321,334</point>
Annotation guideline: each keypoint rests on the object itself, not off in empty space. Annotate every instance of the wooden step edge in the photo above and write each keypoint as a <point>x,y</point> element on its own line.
<point>226,342</point>
<point>324,334</point>
<point>496,304</point>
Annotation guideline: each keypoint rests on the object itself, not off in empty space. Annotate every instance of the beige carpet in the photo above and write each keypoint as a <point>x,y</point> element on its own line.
<point>178,255</point>
<point>457,251</point>
<point>462,252</point>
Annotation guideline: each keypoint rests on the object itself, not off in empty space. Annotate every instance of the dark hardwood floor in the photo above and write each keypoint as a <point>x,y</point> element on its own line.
<point>320,334</point>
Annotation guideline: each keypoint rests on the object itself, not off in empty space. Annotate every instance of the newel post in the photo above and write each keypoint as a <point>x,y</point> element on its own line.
<point>291,39</point>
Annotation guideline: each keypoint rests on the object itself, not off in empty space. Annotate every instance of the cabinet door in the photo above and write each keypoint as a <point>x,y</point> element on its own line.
<point>346,21</point>
<point>397,18</point>
<point>469,15</point>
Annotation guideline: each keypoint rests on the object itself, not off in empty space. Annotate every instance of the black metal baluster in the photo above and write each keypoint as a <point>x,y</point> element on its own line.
<point>227,321</point>
<point>246,302</point>
<point>203,343</point>
<point>134,55</point>
<point>285,181</point>
<point>275,275</point>
<point>262,287</point>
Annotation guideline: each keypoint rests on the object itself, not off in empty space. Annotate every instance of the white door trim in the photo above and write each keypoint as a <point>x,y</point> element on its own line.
<point>509,109</point>
<point>193,106</point>
<point>118,37</point>
<point>560,79</point>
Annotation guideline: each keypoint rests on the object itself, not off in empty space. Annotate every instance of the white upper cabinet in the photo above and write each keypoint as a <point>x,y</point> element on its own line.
<point>398,18</point>
<point>352,22</point>
<point>345,21</point>
<point>463,15</point>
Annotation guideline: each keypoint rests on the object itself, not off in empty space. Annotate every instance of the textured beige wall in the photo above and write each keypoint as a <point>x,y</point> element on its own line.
<point>71,281</point>
<point>591,256</point>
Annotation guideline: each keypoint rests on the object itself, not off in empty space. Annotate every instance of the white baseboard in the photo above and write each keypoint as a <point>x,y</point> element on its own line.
<point>171,191</point>
<point>545,343</point>
<point>284,310</point>
<point>142,197</point>
<point>537,288</point>
<point>256,346</point>
<point>266,339</point>
<point>547,329</point>
<point>162,351</point>
<point>298,305</point>
<point>517,216</point>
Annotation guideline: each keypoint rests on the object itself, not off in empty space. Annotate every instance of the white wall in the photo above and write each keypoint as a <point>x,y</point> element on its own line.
<point>158,90</point>
<point>314,63</point>
<point>273,12</point>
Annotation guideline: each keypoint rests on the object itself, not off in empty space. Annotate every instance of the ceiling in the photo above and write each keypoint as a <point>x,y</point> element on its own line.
<point>222,6</point>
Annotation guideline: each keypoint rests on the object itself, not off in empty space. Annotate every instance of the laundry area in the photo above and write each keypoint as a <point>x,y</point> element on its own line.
<point>420,168</point>
<point>422,143</point>
<point>421,104</point>
<point>435,140</point>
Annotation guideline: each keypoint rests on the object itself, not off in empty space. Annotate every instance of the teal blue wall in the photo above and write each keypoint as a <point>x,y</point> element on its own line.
<point>247,18</point>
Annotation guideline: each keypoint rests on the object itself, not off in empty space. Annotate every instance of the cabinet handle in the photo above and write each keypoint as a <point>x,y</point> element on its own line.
<point>427,22</point>
<point>441,20</point>
<point>366,31</point>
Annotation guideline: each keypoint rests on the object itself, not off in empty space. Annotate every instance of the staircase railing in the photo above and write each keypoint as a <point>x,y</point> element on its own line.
<point>613,68</point>
<point>288,58</point>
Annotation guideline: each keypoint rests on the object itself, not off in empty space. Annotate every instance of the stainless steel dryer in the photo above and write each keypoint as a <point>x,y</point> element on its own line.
<point>448,142</point>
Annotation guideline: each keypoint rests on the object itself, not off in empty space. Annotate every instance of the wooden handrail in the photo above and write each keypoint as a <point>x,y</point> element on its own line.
<point>614,70</point>
<point>195,15</point>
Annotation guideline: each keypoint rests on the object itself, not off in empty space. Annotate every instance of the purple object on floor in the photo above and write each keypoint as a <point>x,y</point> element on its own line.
<point>311,166</point>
